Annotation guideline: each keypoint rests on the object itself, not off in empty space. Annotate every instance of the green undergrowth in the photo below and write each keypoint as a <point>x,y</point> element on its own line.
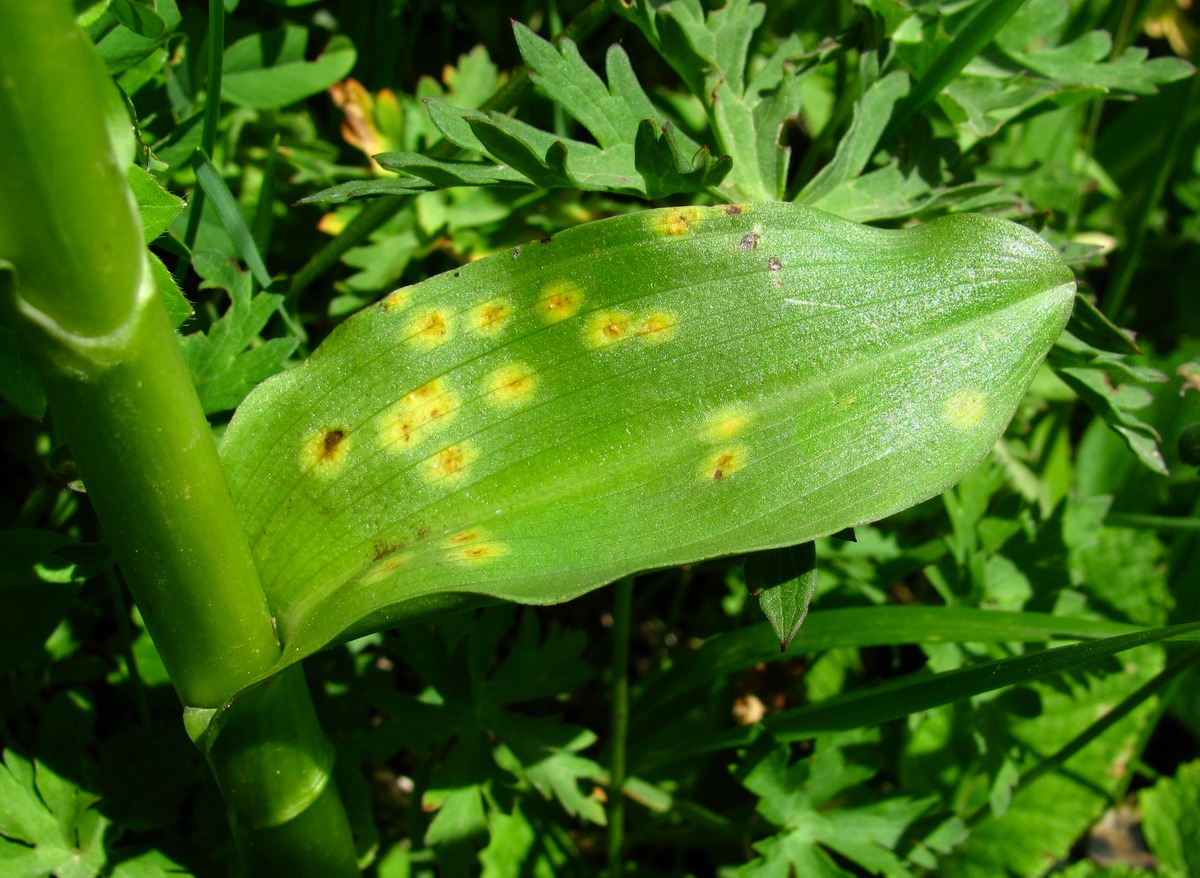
<point>997,679</point>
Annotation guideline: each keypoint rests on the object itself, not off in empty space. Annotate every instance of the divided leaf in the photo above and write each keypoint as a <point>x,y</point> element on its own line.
<point>681,383</point>
<point>229,360</point>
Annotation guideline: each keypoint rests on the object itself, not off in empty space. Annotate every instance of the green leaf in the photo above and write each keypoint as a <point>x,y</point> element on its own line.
<point>1096,377</point>
<point>822,807</point>
<point>785,581</point>
<point>51,819</point>
<point>157,206</point>
<point>36,587</point>
<point>871,114</point>
<point>19,383</point>
<point>229,360</point>
<point>227,209</point>
<point>682,383</point>
<point>1084,62</point>
<point>1171,820</point>
<point>628,156</point>
<point>269,70</point>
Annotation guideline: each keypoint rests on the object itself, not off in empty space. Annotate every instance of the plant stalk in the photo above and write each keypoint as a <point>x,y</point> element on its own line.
<point>76,285</point>
<point>622,610</point>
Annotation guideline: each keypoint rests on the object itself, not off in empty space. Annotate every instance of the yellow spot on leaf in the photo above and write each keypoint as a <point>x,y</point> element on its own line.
<point>723,463</point>
<point>325,452</point>
<point>511,384</point>
<point>728,423</point>
<point>389,565</point>
<point>477,553</point>
<point>431,327</point>
<point>560,300</point>
<point>449,463</point>
<point>605,328</point>
<point>419,413</point>
<point>490,317</point>
<point>655,327</point>
<point>466,536</point>
<point>395,301</point>
<point>846,402</point>
<point>964,409</point>
<point>675,220</point>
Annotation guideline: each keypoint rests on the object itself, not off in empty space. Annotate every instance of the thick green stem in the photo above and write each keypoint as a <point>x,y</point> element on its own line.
<point>75,283</point>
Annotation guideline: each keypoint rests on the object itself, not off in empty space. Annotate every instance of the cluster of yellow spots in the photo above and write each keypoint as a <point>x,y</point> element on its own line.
<point>675,220</point>
<point>418,414</point>
<point>450,463</point>
<point>964,409</point>
<point>609,327</point>
<point>560,300</point>
<point>721,427</point>
<point>474,546</point>
<point>490,317</point>
<point>510,384</point>
<point>325,451</point>
<point>431,327</point>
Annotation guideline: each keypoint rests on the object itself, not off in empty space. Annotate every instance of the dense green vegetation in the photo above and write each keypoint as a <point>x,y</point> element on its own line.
<point>671,295</point>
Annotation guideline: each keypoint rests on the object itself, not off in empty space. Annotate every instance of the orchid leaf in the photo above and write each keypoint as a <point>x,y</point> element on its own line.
<point>639,392</point>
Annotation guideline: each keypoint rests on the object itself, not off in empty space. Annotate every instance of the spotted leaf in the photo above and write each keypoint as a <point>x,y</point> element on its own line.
<point>634,393</point>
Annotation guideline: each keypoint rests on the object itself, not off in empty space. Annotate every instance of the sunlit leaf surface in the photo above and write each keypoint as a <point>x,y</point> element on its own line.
<point>634,393</point>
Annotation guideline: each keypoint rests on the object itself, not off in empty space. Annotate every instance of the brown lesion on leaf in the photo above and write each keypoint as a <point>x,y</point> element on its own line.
<point>749,241</point>
<point>383,549</point>
<point>466,536</point>
<point>419,413</point>
<point>325,451</point>
<point>675,220</point>
<point>450,463</point>
<point>773,264</point>
<point>723,463</point>
<point>605,328</point>
<point>732,210</point>
<point>478,552</point>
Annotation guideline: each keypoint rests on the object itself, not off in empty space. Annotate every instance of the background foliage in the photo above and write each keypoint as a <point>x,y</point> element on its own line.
<point>482,741</point>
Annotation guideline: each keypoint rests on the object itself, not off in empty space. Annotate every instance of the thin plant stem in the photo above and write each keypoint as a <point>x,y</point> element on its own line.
<point>622,610</point>
<point>1118,290</point>
<point>212,110</point>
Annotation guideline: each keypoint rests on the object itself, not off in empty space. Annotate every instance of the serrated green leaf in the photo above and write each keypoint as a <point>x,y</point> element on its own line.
<point>179,308</point>
<point>1084,62</point>
<point>1096,377</point>
<point>228,361</point>
<point>683,383</point>
<point>785,581</point>
<point>269,70</point>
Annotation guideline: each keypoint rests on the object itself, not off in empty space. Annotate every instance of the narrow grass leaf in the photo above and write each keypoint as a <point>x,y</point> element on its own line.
<point>227,209</point>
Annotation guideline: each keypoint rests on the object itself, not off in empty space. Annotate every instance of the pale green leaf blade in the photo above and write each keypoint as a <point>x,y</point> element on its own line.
<point>639,392</point>
<point>785,581</point>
